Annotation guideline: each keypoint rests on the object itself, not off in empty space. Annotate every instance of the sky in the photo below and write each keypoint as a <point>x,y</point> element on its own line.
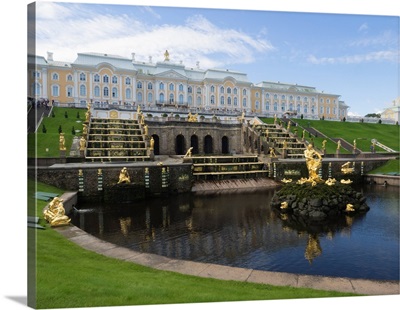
<point>352,55</point>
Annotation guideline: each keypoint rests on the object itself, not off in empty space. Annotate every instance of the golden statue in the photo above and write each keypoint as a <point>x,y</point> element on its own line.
<point>124,176</point>
<point>330,182</point>
<point>62,142</point>
<point>87,114</point>
<point>85,129</point>
<point>349,208</point>
<point>338,145</point>
<point>272,152</point>
<point>82,143</point>
<point>55,213</point>
<point>288,126</point>
<point>355,144</point>
<point>304,132</point>
<point>146,130</point>
<point>192,118</point>
<point>284,144</point>
<point>284,205</point>
<point>189,152</point>
<point>275,118</point>
<point>323,144</point>
<point>152,143</point>
<point>346,169</point>
<point>266,132</point>
<point>313,162</point>
<point>166,55</point>
<point>284,180</point>
<point>348,181</point>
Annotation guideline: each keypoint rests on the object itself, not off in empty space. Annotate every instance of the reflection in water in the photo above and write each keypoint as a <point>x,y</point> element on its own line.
<point>244,231</point>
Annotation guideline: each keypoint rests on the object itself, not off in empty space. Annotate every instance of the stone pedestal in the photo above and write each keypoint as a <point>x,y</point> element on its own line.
<point>82,153</point>
<point>151,154</point>
<point>337,153</point>
<point>63,153</point>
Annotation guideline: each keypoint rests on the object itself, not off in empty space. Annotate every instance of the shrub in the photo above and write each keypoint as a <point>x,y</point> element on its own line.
<point>66,114</point>
<point>77,115</point>
<point>73,130</point>
<point>59,129</point>
<point>44,130</point>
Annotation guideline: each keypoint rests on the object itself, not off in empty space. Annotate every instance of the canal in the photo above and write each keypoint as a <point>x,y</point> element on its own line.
<point>242,230</point>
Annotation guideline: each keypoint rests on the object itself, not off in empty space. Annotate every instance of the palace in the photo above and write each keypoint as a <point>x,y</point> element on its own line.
<point>109,79</point>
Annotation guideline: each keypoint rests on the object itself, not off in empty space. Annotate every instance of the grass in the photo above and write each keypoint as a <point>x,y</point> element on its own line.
<point>41,141</point>
<point>391,167</point>
<point>69,276</point>
<point>362,132</point>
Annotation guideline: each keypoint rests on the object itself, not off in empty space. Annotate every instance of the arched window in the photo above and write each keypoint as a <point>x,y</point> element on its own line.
<point>114,92</point>
<point>190,90</point>
<point>244,103</point>
<point>139,97</point>
<point>198,90</point>
<point>69,77</point>
<point>70,92</point>
<point>128,93</point>
<point>105,91</point>
<point>149,97</point>
<point>139,85</point>
<point>275,96</point>
<point>244,92</point>
<point>162,97</point>
<point>228,90</point>
<point>283,107</point>
<point>229,100</point>
<point>222,90</point>
<point>97,91</point>
<point>128,81</point>
<point>298,108</point>
<point>171,86</point>
<point>267,106</point>
<point>114,80</point>
<point>180,87</point>
<point>180,99</point>
<point>55,90</point>
<point>150,85</point>
<point>96,78</point>
<point>305,108</point>
<point>283,97</point>
<point>36,89</point>
<point>82,77</point>
<point>235,91</point>
<point>212,99</point>
<point>190,100</point>
<point>267,95</point>
<point>82,90</point>
<point>212,88</point>
<point>55,76</point>
<point>275,106</point>
<point>222,101</point>
<point>235,101</point>
<point>161,86</point>
<point>105,78</point>
<point>198,100</point>
<point>171,98</point>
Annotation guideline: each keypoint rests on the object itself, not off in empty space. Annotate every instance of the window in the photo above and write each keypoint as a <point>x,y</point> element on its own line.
<point>114,80</point>
<point>82,90</point>
<point>128,81</point>
<point>139,97</point>
<point>257,105</point>
<point>228,90</point>
<point>150,97</point>
<point>180,87</point>
<point>267,95</point>
<point>291,98</point>
<point>180,98</point>
<point>328,101</point>
<point>298,108</point>
<point>55,77</point>
<point>275,106</point>
<point>36,74</point>
<point>128,93</point>
<point>69,77</point>
<point>283,107</point>
<point>235,91</point>
<point>283,97</point>
<point>97,91</point>
<point>257,95</point>
<point>161,97</point>
<point>312,109</point>
<point>291,107</point>
<point>244,92</point>
<point>190,90</point>
<point>150,85</point>
<point>267,106</point>
<point>190,100</point>
<point>36,89</point>
<point>313,99</point>
<point>96,78</point>
<point>69,91</point>
<point>229,100</point>
<point>139,85</point>
<point>321,100</point>
<point>321,110</point>
<point>212,100</point>
<point>171,98</point>
<point>114,92</point>
<point>105,78</point>
<point>161,86</point>
<point>198,100</point>
<point>212,88</point>
<point>171,87</point>
<point>244,102</point>
<point>275,96</point>
<point>305,108</point>
<point>222,101</point>
<point>222,90</point>
<point>105,92</point>
<point>305,99</point>
<point>198,90</point>
<point>55,91</point>
<point>235,101</point>
<point>328,110</point>
<point>82,77</point>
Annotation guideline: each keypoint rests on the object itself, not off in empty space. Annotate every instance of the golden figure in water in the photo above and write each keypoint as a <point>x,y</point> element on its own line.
<point>55,213</point>
<point>313,162</point>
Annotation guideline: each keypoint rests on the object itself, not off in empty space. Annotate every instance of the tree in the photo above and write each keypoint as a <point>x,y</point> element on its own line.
<point>377,115</point>
<point>59,129</point>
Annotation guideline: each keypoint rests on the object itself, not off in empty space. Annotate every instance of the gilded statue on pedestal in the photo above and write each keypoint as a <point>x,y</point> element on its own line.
<point>82,143</point>
<point>313,162</point>
<point>62,142</point>
<point>124,176</point>
<point>189,152</point>
<point>55,213</point>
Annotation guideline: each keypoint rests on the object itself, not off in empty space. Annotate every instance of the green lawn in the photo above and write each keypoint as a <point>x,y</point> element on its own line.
<point>391,167</point>
<point>49,140</point>
<point>69,276</point>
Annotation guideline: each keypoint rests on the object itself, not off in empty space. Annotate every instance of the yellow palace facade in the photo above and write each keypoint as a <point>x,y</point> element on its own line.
<point>109,79</point>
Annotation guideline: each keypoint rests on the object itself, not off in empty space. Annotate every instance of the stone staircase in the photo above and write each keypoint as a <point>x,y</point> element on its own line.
<point>228,167</point>
<point>116,140</point>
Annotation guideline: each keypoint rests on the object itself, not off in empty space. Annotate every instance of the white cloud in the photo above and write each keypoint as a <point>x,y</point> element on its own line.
<point>66,31</point>
<point>363,27</point>
<point>389,56</point>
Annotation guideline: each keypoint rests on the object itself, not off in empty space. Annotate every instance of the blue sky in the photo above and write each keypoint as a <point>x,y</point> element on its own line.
<point>352,55</point>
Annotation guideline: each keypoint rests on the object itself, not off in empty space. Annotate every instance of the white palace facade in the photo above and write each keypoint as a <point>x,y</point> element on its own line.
<point>109,79</point>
